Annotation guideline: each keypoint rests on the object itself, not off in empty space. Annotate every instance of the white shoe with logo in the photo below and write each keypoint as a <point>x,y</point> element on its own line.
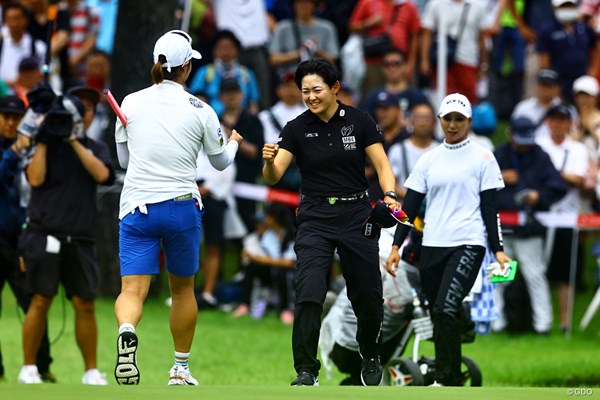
<point>181,376</point>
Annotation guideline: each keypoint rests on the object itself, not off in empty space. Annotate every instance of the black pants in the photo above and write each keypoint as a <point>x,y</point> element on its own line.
<point>447,276</point>
<point>321,229</point>
<point>10,273</point>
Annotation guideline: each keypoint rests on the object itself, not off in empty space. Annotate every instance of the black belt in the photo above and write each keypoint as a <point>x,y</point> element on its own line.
<point>345,199</point>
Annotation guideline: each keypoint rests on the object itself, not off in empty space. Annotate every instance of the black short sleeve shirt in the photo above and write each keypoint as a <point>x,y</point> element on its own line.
<point>65,204</point>
<point>331,155</point>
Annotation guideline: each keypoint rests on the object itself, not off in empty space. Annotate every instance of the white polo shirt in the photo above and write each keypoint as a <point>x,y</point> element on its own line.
<point>452,177</point>
<point>571,157</point>
<point>467,51</point>
<point>166,128</point>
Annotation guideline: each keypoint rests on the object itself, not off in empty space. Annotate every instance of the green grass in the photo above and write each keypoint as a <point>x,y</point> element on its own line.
<point>247,359</point>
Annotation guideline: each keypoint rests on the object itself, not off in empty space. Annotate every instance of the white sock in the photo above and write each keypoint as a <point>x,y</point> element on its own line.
<point>181,359</point>
<point>126,327</point>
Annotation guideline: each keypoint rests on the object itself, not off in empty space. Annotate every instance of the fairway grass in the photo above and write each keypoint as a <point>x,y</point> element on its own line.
<point>162,392</point>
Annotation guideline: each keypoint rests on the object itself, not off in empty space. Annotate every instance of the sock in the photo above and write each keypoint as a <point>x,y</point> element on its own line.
<point>126,327</point>
<point>181,359</point>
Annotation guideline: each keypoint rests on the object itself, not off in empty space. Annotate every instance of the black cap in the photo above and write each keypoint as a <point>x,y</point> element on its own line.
<point>12,104</point>
<point>522,130</point>
<point>548,77</point>
<point>29,64</point>
<point>386,99</point>
<point>559,111</point>
<point>85,92</point>
<point>229,85</point>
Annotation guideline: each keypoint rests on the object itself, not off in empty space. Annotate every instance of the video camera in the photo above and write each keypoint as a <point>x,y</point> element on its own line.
<point>50,116</point>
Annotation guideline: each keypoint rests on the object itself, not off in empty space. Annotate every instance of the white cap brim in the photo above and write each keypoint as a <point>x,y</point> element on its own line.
<point>196,54</point>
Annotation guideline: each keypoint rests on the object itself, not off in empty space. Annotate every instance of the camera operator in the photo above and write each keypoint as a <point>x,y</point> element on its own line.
<point>12,216</point>
<point>58,241</point>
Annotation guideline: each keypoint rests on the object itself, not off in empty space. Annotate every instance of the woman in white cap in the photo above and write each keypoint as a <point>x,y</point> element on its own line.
<point>160,203</point>
<point>460,179</point>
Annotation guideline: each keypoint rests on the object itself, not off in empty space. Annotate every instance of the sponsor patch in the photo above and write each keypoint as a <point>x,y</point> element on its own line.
<point>220,136</point>
<point>349,139</point>
<point>349,146</point>
<point>347,130</point>
<point>311,134</point>
<point>195,102</point>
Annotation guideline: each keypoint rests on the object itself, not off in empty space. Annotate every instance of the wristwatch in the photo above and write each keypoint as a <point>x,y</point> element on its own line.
<point>391,194</point>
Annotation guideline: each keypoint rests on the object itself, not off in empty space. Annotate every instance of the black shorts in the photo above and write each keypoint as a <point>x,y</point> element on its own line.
<point>74,266</point>
<point>213,220</point>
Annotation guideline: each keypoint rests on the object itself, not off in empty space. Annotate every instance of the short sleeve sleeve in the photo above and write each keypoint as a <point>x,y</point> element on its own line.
<point>213,139</point>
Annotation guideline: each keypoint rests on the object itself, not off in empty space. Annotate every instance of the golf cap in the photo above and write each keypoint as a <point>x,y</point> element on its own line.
<point>12,104</point>
<point>548,77</point>
<point>385,99</point>
<point>586,84</point>
<point>85,92</point>
<point>455,102</point>
<point>229,85</point>
<point>559,111</point>
<point>522,130</point>
<point>176,46</point>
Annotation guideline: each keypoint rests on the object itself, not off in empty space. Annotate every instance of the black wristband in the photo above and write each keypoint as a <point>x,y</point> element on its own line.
<point>391,194</point>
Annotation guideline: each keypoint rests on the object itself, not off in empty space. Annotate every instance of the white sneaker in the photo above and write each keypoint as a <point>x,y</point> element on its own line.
<point>29,374</point>
<point>94,377</point>
<point>181,376</point>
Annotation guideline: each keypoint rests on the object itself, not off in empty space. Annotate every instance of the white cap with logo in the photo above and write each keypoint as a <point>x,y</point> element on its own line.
<point>586,84</point>
<point>176,46</point>
<point>455,102</point>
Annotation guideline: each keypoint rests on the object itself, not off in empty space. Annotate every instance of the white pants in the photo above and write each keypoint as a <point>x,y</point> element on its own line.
<point>529,252</point>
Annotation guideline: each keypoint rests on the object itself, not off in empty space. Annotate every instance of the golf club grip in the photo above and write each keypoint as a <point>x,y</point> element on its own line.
<point>115,106</point>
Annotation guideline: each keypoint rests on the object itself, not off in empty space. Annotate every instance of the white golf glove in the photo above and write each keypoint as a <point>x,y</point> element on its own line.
<point>494,269</point>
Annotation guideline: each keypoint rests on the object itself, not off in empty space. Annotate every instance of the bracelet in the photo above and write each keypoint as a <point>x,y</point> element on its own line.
<point>391,194</point>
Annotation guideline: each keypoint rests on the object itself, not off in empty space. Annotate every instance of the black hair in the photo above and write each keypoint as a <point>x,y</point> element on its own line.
<point>226,34</point>
<point>317,66</point>
<point>395,50</point>
<point>426,104</point>
<point>16,5</point>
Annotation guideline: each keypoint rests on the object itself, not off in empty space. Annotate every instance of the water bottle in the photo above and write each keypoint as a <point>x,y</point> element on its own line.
<point>418,311</point>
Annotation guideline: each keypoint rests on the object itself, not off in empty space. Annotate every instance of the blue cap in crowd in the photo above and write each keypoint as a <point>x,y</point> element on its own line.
<point>386,99</point>
<point>522,130</point>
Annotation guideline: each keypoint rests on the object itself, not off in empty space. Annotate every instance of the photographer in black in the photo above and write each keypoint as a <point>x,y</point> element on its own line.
<point>58,242</point>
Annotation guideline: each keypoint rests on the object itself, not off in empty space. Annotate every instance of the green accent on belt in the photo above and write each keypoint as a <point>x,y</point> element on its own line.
<point>332,200</point>
<point>184,197</point>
